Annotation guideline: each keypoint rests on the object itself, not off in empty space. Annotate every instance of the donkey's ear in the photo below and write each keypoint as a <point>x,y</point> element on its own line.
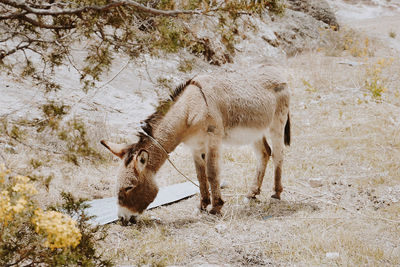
<point>117,149</point>
<point>142,159</point>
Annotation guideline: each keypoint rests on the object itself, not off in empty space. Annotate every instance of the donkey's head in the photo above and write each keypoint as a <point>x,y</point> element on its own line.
<point>135,187</point>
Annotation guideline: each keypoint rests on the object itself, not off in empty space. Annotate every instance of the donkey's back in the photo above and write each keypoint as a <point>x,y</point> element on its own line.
<point>243,105</point>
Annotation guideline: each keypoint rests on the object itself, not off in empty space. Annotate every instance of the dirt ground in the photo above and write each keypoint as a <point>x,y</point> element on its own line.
<point>341,200</point>
<point>341,177</point>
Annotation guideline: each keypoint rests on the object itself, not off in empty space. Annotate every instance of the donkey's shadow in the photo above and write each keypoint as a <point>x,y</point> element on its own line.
<point>145,223</point>
<point>275,208</point>
<point>261,209</point>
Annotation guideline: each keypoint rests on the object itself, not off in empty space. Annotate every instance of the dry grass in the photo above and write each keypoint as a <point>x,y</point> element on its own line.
<point>341,133</point>
<point>346,41</point>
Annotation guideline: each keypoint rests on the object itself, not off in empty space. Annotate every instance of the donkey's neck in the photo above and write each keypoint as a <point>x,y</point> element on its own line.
<point>170,129</point>
<point>167,135</point>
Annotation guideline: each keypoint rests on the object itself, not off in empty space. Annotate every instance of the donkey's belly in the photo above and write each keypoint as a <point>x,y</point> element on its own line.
<point>242,136</point>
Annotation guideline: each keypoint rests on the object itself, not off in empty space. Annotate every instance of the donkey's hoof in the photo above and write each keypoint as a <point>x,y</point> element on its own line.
<point>215,211</point>
<point>276,196</point>
<point>204,204</point>
<point>125,221</point>
<point>202,209</point>
<point>251,195</point>
<point>254,192</point>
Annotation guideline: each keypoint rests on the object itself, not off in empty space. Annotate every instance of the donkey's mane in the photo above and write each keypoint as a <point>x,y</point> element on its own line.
<point>154,118</point>
<point>163,108</point>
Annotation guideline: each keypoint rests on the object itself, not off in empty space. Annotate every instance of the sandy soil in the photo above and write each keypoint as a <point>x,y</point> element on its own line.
<point>341,178</point>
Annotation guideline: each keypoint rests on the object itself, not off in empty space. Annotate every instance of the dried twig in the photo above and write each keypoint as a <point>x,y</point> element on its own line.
<point>36,147</point>
<point>103,85</point>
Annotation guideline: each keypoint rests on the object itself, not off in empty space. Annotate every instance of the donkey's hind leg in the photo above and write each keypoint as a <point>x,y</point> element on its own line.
<point>277,133</point>
<point>212,171</point>
<point>263,153</point>
<point>200,163</point>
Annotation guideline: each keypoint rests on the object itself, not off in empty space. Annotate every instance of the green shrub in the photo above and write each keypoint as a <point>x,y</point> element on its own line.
<point>186,65</point>
<point>60,236</point>
<point>74,133</point>
<point>375,81</point>
<point>53,113</point>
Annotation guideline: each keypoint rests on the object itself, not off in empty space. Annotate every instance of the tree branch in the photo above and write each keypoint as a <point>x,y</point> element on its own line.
<point>21,46</point>
<point>23,257</point>
<point>13,15</point>
<point>172,13</point>
<point>4,54</point>
<point>44,25</point>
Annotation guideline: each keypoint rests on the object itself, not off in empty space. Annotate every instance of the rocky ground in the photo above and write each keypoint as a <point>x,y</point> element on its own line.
<point>341,200</point>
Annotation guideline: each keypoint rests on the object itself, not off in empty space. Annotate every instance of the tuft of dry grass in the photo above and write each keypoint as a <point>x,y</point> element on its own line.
<point>151,244</point>
<point>346,41</point>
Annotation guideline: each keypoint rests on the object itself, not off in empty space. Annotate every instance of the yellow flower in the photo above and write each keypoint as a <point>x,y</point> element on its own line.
<point>5,207</point>
<point>20,205</point>
<point>22,179</point>
<point>14,199</point>
<point>25,188</point>
<point>60,229</point>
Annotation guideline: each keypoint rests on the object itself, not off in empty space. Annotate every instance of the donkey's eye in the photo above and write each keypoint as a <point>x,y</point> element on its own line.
<point>128,188</point>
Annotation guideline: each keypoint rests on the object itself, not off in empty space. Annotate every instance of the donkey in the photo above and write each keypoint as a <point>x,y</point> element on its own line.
<point>206,111</point>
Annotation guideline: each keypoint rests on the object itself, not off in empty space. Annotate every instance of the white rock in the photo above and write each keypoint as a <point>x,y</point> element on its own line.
<point>315,182</point>
<point>332,255</point>
<point>10,148</point>
<point>220,228</point>
<point>351,63</point>
<point>224,184</point>
<point>155,219</point>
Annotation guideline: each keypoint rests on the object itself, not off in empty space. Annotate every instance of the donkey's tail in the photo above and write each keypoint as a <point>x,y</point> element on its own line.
<point>287,131</point>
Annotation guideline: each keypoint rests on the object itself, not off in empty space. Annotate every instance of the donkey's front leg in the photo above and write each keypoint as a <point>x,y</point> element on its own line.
<point>200,163</point>
<point>212,176</point>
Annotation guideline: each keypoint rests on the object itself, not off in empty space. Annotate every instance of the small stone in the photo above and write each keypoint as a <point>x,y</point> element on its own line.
<point>332,255</point>
<point>224,184</point>
<point>351,63</point>
<point>155,219</point>
<point>315,182</point>
<point>9,148</point>
<point>220,228</point>
<point>266,217</point>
